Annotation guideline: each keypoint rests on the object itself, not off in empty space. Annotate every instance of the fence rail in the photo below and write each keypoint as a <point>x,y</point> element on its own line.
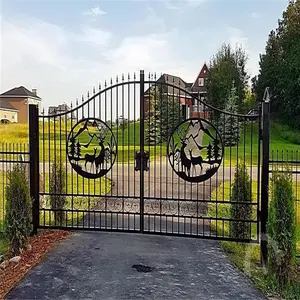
<point>10,154</point>
<point>280,160</point>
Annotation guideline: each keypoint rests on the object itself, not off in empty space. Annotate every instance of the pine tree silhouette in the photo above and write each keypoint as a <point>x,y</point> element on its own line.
<point>78,150</point>
<point>216,149</point>
<point>209,153</point>
<point>72,146</point>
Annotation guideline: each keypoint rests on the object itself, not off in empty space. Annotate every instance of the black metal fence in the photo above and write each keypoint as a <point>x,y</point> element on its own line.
<point>133,159</point>
<point>282,160</point>
<point>10,154</point>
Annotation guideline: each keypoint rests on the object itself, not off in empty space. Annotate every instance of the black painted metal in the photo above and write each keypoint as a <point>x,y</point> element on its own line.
<point>147,122</point>
<point>190,167</point>
<point>34,164</point>
<point>99,163</point>
<point>265,179</point>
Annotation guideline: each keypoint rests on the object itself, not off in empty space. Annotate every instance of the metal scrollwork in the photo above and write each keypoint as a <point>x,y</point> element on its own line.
<point>195,150</point>
<point>91,148</point>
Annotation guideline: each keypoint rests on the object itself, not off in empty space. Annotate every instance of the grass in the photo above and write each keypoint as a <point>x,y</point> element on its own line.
<point>54,137</point>
<point>75,185</point>
<point>247,256</point>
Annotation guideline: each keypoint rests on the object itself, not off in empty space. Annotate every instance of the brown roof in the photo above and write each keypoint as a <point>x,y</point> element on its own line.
<point>6,105</point>
<point>172,80</point>
<point>20,91</point>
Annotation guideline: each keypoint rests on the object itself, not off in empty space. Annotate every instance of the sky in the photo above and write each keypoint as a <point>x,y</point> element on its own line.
<point>65,47</point>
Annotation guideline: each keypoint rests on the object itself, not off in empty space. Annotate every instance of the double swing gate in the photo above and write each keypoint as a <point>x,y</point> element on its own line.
<point>144,155</point>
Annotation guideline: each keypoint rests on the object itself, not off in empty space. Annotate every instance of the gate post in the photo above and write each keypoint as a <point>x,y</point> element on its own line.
<point>265,178</point>
<point>142,148</point>
<point>34,164</point>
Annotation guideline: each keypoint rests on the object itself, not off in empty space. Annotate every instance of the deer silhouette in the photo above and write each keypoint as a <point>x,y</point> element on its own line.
<point>99,160</point>
<point>196,161</point>
<point>185,162</point>
<point>90,158</point>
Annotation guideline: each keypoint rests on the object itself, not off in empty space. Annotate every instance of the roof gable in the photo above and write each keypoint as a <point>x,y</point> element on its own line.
<point>20,91</point>
<point>202,74</point>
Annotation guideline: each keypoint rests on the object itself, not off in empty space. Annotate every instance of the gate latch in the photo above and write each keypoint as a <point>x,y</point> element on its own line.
<point>138,157</point>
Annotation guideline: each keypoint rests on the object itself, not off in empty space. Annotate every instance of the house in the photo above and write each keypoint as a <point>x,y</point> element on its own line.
<point>14,104</point>
<point>62,108</point>
<point>186,93</point>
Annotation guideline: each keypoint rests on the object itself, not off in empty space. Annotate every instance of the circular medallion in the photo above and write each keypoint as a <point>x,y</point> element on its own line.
<point>195,150</point>
<point>91,148</point>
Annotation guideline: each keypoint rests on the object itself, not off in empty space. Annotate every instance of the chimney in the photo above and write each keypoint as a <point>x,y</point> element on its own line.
<point>34,91</point>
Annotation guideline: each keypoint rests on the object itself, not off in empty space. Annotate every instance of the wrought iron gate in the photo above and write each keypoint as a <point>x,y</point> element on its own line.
<point>145,155</point>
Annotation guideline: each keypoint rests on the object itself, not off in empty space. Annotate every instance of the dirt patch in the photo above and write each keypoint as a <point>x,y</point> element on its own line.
<point>40,245</point>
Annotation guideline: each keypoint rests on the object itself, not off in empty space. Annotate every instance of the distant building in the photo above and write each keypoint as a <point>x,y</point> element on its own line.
<point>184,92</point>
<point>14,104</point>
<point>60,109</point>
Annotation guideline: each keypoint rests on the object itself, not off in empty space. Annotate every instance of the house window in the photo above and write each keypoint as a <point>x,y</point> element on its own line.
<point>13,117</point>
<point>4,116</point>
<point>201,81</point>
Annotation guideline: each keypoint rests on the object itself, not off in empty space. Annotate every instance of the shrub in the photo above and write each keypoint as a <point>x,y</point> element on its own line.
<point>57,190</point>
<point>18,216</point>
<point>282,227</point>
<point>242,210</point>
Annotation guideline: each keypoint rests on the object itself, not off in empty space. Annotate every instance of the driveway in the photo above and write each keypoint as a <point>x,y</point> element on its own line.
<point>99,266</point>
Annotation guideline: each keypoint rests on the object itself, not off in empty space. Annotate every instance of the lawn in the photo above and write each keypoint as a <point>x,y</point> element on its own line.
<point>74,185</point>
<point>247,256</point>
<point>53,141</point>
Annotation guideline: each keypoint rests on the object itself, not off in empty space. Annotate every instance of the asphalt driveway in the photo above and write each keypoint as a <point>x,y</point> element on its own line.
<point>98,265</point>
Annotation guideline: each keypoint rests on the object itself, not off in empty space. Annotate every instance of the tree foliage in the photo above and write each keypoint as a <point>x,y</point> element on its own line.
<point>227,65</point>
<point>280,67</point>
<point>241,209</point>
<point>18,208</point>
<point>282,227</point>
<point>153,118</point>
<point>164,113</point>
<point>57,189</point>
<point>229,124</point>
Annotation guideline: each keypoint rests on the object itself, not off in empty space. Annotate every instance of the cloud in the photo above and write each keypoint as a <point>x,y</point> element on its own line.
<point>181,4</point>
<point>94,12</point>
<point>236,37</point>
<point>61,63</point>
<point>255,15</point>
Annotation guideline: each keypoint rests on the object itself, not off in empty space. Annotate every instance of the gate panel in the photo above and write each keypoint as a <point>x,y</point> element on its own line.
<point>148,156</point>
<point>194,149</point>
<point>87,155</point>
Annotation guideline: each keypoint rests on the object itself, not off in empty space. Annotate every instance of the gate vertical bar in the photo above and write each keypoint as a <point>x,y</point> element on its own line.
<point>142,146</point>
<point>265,178</point>
<point>34,164</point>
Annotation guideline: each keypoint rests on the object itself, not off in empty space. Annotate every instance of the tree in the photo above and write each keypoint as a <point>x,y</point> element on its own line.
<point>122,123</point>
<point>57,190</point>
<point>282,227</point>
<point>170,114</point>
<point>164,114</point>
<point>78,149</point>
<point>241,208</point>
<point>209,153</point>
<point>229,124</point>
<point>18,209</point>
<point>280,67</point>
<point>226,65</point>
<point>72,147</point>
<point>152,120</point>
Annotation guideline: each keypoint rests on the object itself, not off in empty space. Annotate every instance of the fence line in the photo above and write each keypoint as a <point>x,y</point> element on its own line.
<point>282,159</point>
<point>10,154</point>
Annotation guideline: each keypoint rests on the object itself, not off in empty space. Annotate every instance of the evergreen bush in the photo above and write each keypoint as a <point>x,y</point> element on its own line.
<point>241,209</point>
<point>282,227</point>
<point>57,189</point>
<point>229,124</point>
<point>18,217</point>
